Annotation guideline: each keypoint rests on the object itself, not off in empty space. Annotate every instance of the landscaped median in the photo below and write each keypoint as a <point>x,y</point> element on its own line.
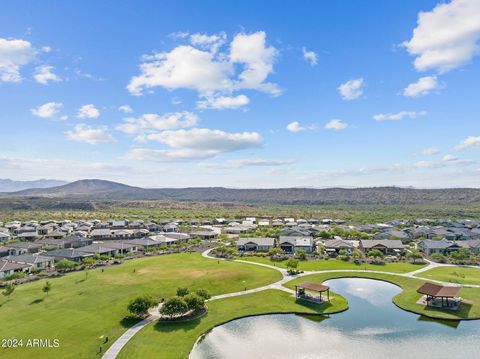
<point>407,299</point>
<point>175,340</point>
<point>336,264</point>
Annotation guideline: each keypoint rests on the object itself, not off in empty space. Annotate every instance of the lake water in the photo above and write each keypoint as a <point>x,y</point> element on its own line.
<point>372,328</point>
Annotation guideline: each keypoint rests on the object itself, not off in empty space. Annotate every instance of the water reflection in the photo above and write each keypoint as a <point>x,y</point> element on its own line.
<point>372,328</point>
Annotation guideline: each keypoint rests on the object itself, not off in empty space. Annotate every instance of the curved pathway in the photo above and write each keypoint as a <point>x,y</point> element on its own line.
<point>117,346</point>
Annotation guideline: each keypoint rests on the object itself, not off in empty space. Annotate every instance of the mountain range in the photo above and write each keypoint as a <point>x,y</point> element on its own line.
<point>94,189</point>
<point>8,185</point>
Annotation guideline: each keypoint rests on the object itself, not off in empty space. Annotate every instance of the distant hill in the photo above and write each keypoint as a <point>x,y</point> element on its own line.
<point>8,185</point>
<point>94,189</point>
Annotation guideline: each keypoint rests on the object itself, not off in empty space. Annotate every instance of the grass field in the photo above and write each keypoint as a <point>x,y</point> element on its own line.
<point>460,275</point>
<point>333,264</point>
<point>80,308</point>
<point>175,340</point>
<point>408,298</point>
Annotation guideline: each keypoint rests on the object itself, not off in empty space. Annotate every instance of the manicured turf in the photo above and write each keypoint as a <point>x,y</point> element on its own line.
<point>408,298</point>
<point>461,275</point>
<point>334,264</point>
<point>175,340</point>
<point>80,308</point>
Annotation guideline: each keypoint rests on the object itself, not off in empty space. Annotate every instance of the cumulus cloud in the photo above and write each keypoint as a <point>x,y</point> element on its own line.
<point>150,122</point>
<point>351,89</point>
<point>210,72</point>
<point>90,135</point>
<point>14,53</point>
<point>44,74</point>
<point>223,102</point>
<point>336,124</point>
<point>447,36</point>
<point>125,109</point>
<point>88,111</point>
<point>468,142</point>
<point>295,127</point>
<point>430,151</point>
<point>398,116</point>
<point>210,42</point>
<point>195,143</point>
<point>47,110</point>
<point>422,87</point>
<point>249,162</point>
<point>310,56</point>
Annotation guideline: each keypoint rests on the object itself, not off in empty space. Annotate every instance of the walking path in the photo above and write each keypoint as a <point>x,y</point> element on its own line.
<point>117,346</point>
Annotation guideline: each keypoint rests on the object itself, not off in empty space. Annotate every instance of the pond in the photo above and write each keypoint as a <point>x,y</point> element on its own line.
<point>372,328</point>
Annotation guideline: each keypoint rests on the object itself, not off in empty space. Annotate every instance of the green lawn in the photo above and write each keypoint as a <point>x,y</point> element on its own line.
<point>408,298</point>
<point>79,309</point>
<point>175,340</point>
<point>334,264</point>
<point>461,275</point>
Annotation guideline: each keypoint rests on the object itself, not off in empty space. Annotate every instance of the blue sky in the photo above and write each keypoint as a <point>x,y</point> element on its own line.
<point>241,94</point>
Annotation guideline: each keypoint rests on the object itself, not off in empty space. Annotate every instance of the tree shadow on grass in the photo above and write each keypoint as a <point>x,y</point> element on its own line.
<point>172,326</point>
<point>129,321</point>
<point>36,301</point>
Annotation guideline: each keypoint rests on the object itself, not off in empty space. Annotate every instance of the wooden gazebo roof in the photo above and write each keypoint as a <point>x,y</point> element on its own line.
<point>437,290</point>
<point>313,286</point>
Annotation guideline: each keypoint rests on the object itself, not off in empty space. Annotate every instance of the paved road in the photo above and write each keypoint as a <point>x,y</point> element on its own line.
<point>117,346</point>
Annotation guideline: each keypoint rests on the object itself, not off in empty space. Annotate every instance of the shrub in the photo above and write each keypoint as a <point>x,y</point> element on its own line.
<point>174,306</point>
<point>140,305</point>
<point>301,254</point>
<point>181,292</point>
<point>292,263</point>
<point>65,264</point>
<point>16,275</point>
<point>375,253</point>
<point>194,302</point>
<point>439,257</point>
<point>203,293</point>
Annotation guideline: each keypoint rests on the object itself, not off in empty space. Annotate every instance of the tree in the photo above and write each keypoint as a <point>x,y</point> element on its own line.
<point>301,254</point>
<point>47,287</point>
<point>194,302</point>
<point>174,306</point>
<point>203,293</point>
<point>182,292</point>
<point>375,253</point>
<point>461,254</point>
<point>414,254</point>
<point>140,305</point>
<point>274,251</point>
<point>8,290</point>
<point>292,263</point>
<point>439,257</point>
<point>65,264</point>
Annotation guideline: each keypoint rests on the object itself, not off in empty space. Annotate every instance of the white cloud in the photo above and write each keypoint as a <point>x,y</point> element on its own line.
<point>44,74</point>
<point>398,116</point>
<point>209,72</point>
<point>14,54</point>
<point>223,102</point>
<point>47,110</point>
<point>196,143</point>
<point>310,56</point>
<point>151,122</point>
<point>249,162</point>
<point>125,109</point>
<point>351,89</point>
<point>423,164</point>
<point>447,36</point>
<point>449,158</point>
<point>422,87</point>
<point>336,124</point>
<point>470,141</point>
<point>295,127</point>
<point>88,111</point>
<point>90,135</point>
<point>210,42</point>
<point>430,151</point>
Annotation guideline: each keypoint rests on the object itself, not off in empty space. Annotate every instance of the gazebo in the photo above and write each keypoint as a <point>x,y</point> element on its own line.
<point>300,291</point>
<point>433,292</point>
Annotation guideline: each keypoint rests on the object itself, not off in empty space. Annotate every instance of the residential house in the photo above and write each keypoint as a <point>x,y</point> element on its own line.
<point>121,247</point>
<point>386,246</point>
<point>35,260</point>
<point>99,248</point>
<point>255,244</point>
<point>334,246</point>
<point>8,268</point>
<point>291,244</point>
<point>72,254</point>
<point>101,233</point>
